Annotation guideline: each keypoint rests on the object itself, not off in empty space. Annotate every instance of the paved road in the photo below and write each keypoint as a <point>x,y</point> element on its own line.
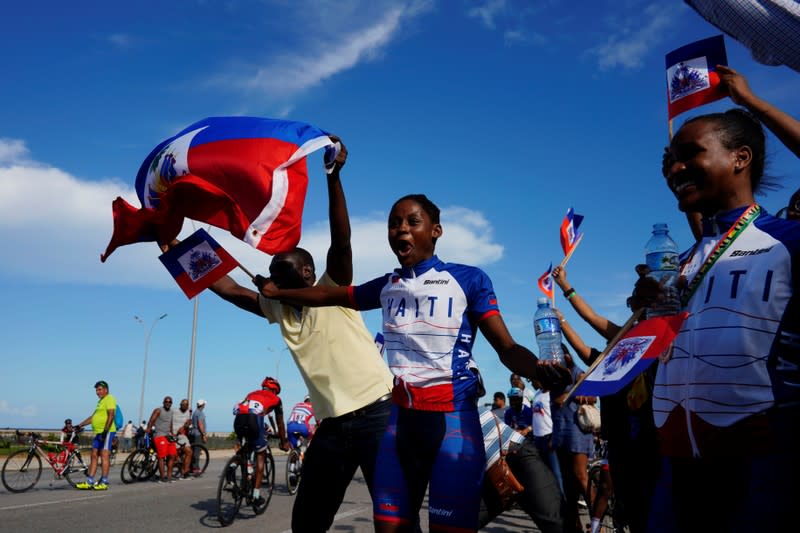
<point>53,506</point>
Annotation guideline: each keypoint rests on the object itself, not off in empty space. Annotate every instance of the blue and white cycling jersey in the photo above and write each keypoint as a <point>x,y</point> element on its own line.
<point>738,353</point>
<point>430,318</point>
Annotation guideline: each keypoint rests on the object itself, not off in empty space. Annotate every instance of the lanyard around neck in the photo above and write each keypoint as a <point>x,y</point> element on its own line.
<point>744,220</point>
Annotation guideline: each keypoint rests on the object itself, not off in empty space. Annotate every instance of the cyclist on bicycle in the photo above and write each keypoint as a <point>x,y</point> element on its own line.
<point>181,420</point>
<point>249,424</point>
<point>300,421</point>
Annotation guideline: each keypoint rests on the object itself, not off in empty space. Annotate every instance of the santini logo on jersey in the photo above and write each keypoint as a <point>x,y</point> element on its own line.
<point>741,253</point>
<point>436,282</point>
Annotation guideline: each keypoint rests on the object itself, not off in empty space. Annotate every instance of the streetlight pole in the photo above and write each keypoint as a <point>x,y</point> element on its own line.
<point>144,371</point>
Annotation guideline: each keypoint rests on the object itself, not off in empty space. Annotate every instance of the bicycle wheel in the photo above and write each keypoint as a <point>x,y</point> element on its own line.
<point>230,491</point>
<point>267,484</point>
<point>130,468</point>
<point>292,471</point>
<point>149,466</point>
<point>200,457</point>
<point>21,471</point>
<point>76,471</point>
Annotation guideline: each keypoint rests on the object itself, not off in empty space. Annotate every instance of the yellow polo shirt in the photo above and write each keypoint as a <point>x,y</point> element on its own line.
<point>335,353</point>
<point>100,415</point>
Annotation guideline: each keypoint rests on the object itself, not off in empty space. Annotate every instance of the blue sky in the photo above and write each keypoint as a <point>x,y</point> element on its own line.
<point>505,113</point>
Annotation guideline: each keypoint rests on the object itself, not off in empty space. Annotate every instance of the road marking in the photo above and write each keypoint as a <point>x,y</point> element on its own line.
<point>70,500</point>
<point>340,516</point>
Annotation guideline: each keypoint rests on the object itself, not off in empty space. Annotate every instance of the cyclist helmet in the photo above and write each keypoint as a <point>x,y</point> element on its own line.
<point>68,422</point>
<point>271,384</point>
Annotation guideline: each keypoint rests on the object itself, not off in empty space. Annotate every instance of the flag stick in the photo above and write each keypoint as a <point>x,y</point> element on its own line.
<point>669,122</point>
<point>622,331</point>
<point>572,251</point>
<point>252,277</point>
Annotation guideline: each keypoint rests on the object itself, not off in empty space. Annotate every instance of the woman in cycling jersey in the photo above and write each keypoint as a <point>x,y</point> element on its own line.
<point>432,312</point>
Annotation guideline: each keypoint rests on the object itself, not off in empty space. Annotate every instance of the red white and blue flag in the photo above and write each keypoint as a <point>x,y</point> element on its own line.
<point>692,78</point>
<point>246,175</point>
<point>570,236</point>
<point>197,262</point>
<point>631,355</point>
<point>546,282</point>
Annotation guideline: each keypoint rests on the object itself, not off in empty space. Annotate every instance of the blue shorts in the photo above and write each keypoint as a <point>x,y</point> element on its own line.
<point>422,448</point>
<point>292,428</point>
<point>102,441</point>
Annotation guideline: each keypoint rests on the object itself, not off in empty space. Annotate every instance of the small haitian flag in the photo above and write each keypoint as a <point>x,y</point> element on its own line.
<point>692,79</point>
<point>570,236</point>
<point>546,282</point>
<point>631,355</point>
<point>197,262</point>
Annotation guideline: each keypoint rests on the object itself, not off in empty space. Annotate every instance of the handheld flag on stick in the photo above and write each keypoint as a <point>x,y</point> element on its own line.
<point>546,283</point>
<point>197,262</point>
<point>692,79</point>
<point>246,175</point>
<point>629,354</point>
<point>570,236</point>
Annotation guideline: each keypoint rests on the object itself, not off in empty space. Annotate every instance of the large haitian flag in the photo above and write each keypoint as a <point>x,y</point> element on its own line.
<point>631,355</point>
<point>692,78</point>
<point>197,262</point>
<point>246,175</point>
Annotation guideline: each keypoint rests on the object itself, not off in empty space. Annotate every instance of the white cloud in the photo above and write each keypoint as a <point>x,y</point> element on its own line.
<point>12,150</point>
<point>635,36</point>
<point>487,12</point>
<point>57,225</point>
<point>25,411</point>
<point>122,40</point>
<point>342,44</point>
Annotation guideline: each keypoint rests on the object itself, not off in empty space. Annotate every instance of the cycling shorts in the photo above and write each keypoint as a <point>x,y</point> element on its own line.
<point>164,447</point>
<point>422,448</point>
<point>295,428</point>
<point>251,427</point>
<point>103,441</point>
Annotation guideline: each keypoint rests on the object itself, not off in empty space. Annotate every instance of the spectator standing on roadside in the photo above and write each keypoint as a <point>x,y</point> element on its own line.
<point>181,419</point>
<point>161,422</point>
<point>499,405</point>
<point>127,436</point>
<point>518,416</point>
<point>102,421</point>
<point>349,384</point>
<point>198,433</point>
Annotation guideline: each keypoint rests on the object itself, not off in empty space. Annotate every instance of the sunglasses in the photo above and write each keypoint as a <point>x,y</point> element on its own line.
<point>167,401</point>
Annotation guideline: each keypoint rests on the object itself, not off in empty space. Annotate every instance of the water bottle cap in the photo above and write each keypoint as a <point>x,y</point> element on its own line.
<point>542,301</point>
<point>660,226</point>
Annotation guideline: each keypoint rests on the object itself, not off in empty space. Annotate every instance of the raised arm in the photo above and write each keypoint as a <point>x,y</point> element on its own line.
<point>316,296</point>
<point>785,128</point>
<point>242,297</point>
<point>340,253</point>
<point>575,340</point>
<point>601,324</point>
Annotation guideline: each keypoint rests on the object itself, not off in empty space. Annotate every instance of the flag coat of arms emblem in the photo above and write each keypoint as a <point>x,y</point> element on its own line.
<point>631,355</point>
<point>692,79</point>
<point>197,262</point>
<point>246,175</point>
<point>546,282</point>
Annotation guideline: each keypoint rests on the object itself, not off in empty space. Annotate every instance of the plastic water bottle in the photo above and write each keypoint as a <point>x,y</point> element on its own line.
<point>547,327</point>
<point>661,255</point>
